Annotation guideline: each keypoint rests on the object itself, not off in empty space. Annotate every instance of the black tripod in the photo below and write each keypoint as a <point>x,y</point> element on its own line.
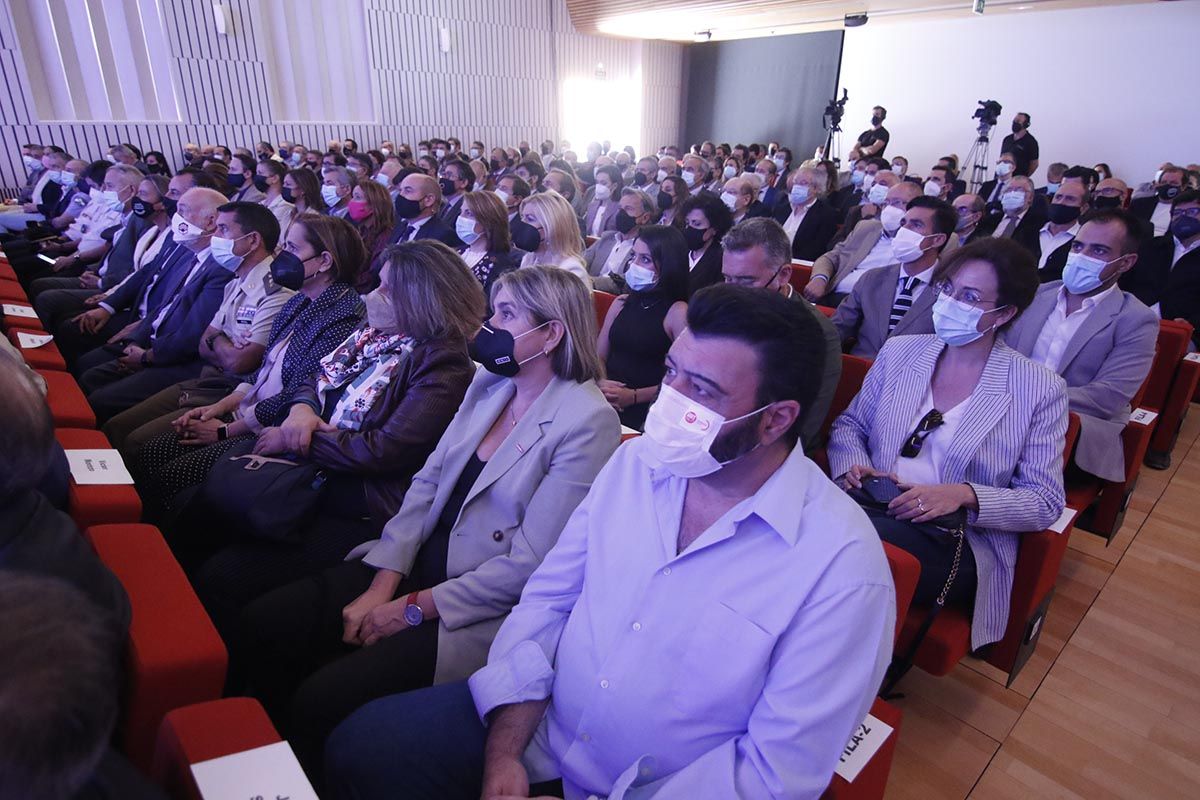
<point>978,158</point>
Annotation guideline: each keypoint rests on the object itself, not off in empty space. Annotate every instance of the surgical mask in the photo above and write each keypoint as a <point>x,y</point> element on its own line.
<point>495,349</point>
<point>108,199</point>
<point>867,182</point>
<point>680,433</point>
<point>31,163</point>
<point>780,162</point>
<point>387,151</point>
<point>1003,168</point>
<point>957,323</point>
<point>358,210</point>
<point>185,231</point>
<point>639,278</point>
<point>62,177</point>
<point>878,194</point>
<point>222,251</point>
<point>330,195</point>
<point>689,177</point>
<point>295,160</point>
<point>729,199</point>
<point>1184,227</point>
<point>932,189</point>
<point>1012,201</point>
<point>1061,214</point>
<point>729,172</point>
<point>963,221</point>
<point>798,196</point>
<point>382,180</point>
<point>891,217</point>
<point>474,152</point>
<point>906,245</point>
<point>898,169</point>
<point>422,152</point>
<point>857,177</point>
<point>380,313</point>
<point>1052,188</point>
<point>661,176</point>
<point>465,229</point>
<point>504,196</point>
<point>603,192</point>
<point>440,153</point>
<point>1082,273</point>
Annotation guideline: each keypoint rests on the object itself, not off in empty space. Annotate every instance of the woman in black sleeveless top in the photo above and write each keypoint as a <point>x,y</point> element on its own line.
<point>641,325</point>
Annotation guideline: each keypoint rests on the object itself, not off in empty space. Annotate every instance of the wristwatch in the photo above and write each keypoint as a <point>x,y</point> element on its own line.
<point>413,615</point>
<point>222,433</point>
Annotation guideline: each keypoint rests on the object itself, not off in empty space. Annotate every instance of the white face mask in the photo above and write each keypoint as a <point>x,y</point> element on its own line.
<point>878,194</point>
<point>868,182</point>
<point>503,195</point>
<point>440,153</point>
<point>1012,201</point>
<point>639,278</point>
<point>465,228</point>
<point>662,176</point>
<point>933,189</point>
<point>1082,273</point>
<point>680,432</point>
<point>32,164</point>
<point>387,151</point>
<point>799,195</point>
<point>957,323</point>
<point>906,245</point>
<point>185,231</point>
<point>730,200</point>
<point>891,217</point>
<point>382,180</point>
<point>422,152</point>
<point>474,152</point>
<point>222,251</point>
<point>603,192</point>
<point>1003,168</point>
<point>330,195</point>
<point>689,177</point>
<point>729,172</point>
<point>780,162</point>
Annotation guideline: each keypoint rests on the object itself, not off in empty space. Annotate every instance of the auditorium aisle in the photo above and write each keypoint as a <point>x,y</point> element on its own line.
<point>1109,707</point>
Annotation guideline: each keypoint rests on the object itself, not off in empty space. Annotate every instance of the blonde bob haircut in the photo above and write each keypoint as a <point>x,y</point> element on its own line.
<point>556,217</point>
<point>434,293</point>
<point>551,293</point>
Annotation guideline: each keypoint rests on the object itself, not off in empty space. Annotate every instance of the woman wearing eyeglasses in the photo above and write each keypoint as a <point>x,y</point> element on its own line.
<point>965,427</point>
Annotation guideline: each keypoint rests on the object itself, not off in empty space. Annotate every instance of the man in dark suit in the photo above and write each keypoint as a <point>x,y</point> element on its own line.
<point>1166,276</point>
<point>806,216</point>
<point>971,212</point>
<point>773,183</point>
<point>417,207</point>
<point>1155,210</point>
<point>455,180</point>
<point>992,190</point>
<point>1018,219</point>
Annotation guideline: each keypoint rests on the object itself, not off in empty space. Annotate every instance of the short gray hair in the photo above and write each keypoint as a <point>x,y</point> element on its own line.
<point>27,435</point>
<point>343,175</point>
<point>648,205</point>
<point>761,232</point>
<point>131,175</point>
<point>818,175</point>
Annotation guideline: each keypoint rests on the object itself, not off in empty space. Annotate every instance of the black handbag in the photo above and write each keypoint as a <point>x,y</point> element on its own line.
<point>266,497</point>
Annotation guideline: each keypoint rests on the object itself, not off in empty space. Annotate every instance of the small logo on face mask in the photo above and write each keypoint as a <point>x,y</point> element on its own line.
<point>690,418</point>
<point>503,360</point>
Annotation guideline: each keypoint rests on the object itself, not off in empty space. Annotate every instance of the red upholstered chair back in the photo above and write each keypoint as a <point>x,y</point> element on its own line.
<point>801,272</point>
<point>854,372</point>
<point>1173,338</point>
<point>602,300</point>
<point>906,571</point>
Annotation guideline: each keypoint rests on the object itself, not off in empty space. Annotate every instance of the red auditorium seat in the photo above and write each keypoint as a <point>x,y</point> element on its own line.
<point>174,656</point>
<point>6,271</point>
<point>45,357</point>
<point>205,731</point>
<point>12,292</point>
<point>97,505</point>
<point>603,301</point>
<point>854,372</point>
<point>1176,396</point>
<point>68,406</point>
<point>10,321</point>
<point>801,273</point>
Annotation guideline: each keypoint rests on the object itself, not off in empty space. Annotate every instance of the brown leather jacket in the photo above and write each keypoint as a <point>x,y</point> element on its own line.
<point>402,427</point>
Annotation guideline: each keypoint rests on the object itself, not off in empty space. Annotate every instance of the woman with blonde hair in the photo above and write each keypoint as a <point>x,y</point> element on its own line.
<point>553,233</point>
<point>422,605</point>
<point>372,213</point>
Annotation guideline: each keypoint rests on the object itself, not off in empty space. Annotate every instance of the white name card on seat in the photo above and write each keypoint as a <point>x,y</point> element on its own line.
<point>866,740</point>
<point>1064,519</point>
<point>270,773</point>
<point>28,341</point>
<point>1194,357</point>
<point>98,468</point>
<point>1143,416</point>
<point>14,310</point>
<point>628,431</point>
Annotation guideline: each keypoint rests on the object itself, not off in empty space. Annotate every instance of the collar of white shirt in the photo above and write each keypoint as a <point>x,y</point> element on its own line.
<point>1072,231</point>
<point>1088,302</point>
<point>925,276</point>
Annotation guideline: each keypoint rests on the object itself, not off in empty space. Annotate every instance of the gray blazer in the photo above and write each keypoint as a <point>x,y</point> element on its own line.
<point>597,255</point>
<point>865,312</point>
<point>610,215</point>
<point>1008,447</point>
<point>849,253</point>
<point>1104,365</point>
<point>512,515</point>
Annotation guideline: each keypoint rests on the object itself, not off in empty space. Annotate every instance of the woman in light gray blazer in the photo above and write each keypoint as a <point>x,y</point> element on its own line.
<point>962,422</point>
<point>422,604</point>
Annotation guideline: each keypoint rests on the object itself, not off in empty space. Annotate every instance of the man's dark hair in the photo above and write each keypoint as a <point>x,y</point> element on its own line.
<point>1133,232</point>
<point>363,160</point>
<point>787,338</point>
<point>951,160</point>
<point>1028,119</point>
<point>257,218</point>
<point>200,178</point>
<point>338,159</point>
<point>614,175</point>
<point>462,170</point>
<point>763,232</point>
<point>94,171</point>
<point>277,168</point>
<point>353,144</point>
<point>61,682</point>
<point>1088,175</point>
<point>222,148</point>
<point>53,148</point>
<point>533,166</point>
<point>403,173</point>
<point>715,211</point>
<point>27,435</point>
<point>520,186</point>
<point>945,218</point>
<point>882,112</point>
<point>1016,270</point>
<point>881,163</point>
<point>1186,196</point>
<point>669,251</point>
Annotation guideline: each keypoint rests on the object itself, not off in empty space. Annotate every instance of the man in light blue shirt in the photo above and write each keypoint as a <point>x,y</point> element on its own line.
<point>714,621</point>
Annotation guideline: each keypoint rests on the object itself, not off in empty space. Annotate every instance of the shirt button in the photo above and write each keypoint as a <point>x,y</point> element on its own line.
<point>637,626</point>
<point>666,571</point>
<point>587,737</point>
<point>498,536</point>
<point>604,684</point>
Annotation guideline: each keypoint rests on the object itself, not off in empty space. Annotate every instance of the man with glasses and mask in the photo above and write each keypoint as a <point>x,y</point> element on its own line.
<point>1167,274</point>
<point>1099,338</point>
<point>711,534</point>
<point>756,253</point>
<point>1155,210</point>
<point>970,209</point>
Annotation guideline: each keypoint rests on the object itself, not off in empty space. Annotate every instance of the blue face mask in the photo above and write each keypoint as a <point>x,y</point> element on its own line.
<point>799,195</point>
<point>857,177</point>
<point>1012,201</point>
<point>1082,273</point>
<point>1051,189</point>
<point>957,323</point>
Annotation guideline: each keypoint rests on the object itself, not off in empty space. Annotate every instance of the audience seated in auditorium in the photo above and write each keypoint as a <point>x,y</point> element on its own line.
<point>966,427</point>
<point>609,256</point>
<point>1067,209</point>
<point>870,206</point>
<point>337,182</point>
<point>1166,276</point>
<point>705,221</point>
<point>269,177</point>
<point>992,190</point>
<point>421,605</point>
<point>1019,218</point>
<point>601,214</point>
<point>678,518</point>
<point>971,211</point>
<point>672,192</point>
<point>1054,176</point>
<point>241,180</point>
<point>550,235</point>
<point>1099,338</point>
<point>808,219</point>
<point>455,179</point>
<point>302,188</point>
<point>320,260</point>
<point>373,215</point>
<point>640,326</point>
<point>898,299</point>
<point>1155,209</point>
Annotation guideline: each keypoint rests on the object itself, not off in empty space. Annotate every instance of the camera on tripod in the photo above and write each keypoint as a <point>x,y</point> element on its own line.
<point>835,111</point>
<point>988,113</point>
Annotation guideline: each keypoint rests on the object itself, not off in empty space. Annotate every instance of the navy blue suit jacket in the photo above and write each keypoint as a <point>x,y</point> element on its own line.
<point>169,263</point>
<point>433,229</point>
<point>189,314</point>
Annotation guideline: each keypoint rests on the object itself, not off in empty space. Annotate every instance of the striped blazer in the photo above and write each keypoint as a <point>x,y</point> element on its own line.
<point>1008,447</point>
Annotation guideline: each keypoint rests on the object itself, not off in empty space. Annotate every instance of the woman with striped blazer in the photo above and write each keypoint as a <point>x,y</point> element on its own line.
<point>961,421</point>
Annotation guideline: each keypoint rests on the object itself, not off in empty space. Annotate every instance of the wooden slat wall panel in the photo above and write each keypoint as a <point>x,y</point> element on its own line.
<point>498,83</point>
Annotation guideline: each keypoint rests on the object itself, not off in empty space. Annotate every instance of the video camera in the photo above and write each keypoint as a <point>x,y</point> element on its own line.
<point>835,111</point>
<point>988,113</point>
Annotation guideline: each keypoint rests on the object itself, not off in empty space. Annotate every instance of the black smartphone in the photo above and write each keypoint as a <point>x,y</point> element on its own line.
<point>881,488</point>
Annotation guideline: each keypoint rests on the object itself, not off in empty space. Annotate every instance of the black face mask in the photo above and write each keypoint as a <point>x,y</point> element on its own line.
<point>493,347</point>
<point>694,237</point>
<point>1167,193</point>
<point>406,208</point>
<point>260,183</point>
<point>525,236</point>
<point>170,205</point>
<point>448,187</point>
<point>187,158</point>
<point>664,201</point>
<point>640,179</point>
<point>237,180</point>
<point>1103,202</point>
<point>287,270</point>
<point>264,156</point>
<point>1061,214</point>
<point>495,163</point>
<point>1184,227</point>
<point>1017,127</point>
<point>876,120</point>
<point>82,186</point>
<point>625,223</point>
<point>141,208</point>
<point>288,197</point>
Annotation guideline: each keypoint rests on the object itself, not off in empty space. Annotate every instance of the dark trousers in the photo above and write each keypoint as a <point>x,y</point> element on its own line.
<point>58,304</point>
<point>130,430</point>
<point>308,679</point>
<point>110,390</point>
<point>935,551</point>
<point>429,741</point>
<point>75,345</point>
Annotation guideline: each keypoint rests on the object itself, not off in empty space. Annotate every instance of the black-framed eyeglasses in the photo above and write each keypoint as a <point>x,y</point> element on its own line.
<point>928,424</point>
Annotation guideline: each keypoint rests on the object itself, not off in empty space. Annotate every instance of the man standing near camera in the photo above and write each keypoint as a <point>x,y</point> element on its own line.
<point>874,140</point>
<point>1022,145</point>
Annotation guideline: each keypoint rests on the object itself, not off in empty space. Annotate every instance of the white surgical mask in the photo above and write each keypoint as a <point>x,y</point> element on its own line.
<point>932,189</point>
<point>109,199</point>
<point>729,172</point>
<point>440,153</point>
<point>799,195</point>
<point>184,231</point>
<point>474,152</point>
<point>729,199</point>
<point>780,162</point>
<point>603,192</point>
<point>662,176</point>
<point>330,195</point>
<point>422,152</point>
<point>906,245</point>
<point>1082,273</point>
<point>32,163</point>
<point>639,278</point>
<point>1003,168</point>
<point>382,180</point>
<point>465,228</point>
<point>222,251</point>
<point>679,433</point>
<point>503,195</point>
<point>1052,189</point>
<point>955,322</point>
<point>867,182</point>
<point>878,194</point>
<point>857,177</point>
<point>891,217</point>
<point>1012,201</point>
<point>898,169</point>
<point>689,177</point>
<point>61,177</point>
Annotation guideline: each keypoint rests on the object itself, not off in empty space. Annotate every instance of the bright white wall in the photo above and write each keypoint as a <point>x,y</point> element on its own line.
<point>1115,84</point>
